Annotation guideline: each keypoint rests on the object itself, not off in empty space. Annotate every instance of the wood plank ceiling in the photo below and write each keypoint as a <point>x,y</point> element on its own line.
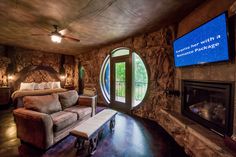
<point>94,22</point>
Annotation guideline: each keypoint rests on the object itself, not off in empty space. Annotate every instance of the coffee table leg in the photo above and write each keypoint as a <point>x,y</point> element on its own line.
<point>112,124</point>
<point>76,142</point>
<point>100,134</point>
<point>79,143</point>
<point>93,145</point>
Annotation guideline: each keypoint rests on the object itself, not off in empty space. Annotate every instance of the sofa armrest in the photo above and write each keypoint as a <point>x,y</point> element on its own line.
<point>34,127</point>
<point>88,101</point>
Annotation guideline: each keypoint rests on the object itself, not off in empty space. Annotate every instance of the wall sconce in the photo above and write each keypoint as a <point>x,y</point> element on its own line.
<point>10,77</point>
<point>62,73</point>
<point>10,74</point>
<point>63,77</point>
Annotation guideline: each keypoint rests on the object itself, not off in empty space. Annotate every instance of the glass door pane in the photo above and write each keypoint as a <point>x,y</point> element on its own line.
<point>121,52</point>
<point>140,80</point>
<point>120,83</point>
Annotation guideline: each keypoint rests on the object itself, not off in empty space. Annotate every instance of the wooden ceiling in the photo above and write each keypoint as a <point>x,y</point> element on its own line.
<point>94,22</point>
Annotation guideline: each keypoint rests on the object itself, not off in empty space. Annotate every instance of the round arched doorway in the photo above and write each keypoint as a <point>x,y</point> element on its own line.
<point>123,79</point>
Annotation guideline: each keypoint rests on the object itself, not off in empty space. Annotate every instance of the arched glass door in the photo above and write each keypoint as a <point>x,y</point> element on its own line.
<point>120,83</point>
<point>123,79</point>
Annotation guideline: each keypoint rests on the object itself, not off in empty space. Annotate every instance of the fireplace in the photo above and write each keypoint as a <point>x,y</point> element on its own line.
<point>210,104</point>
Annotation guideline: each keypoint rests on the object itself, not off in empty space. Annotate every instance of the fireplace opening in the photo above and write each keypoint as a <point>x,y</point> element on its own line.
<point>210,104</point>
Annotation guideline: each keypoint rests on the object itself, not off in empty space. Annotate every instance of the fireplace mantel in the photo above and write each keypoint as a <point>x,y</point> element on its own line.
<point>197,140</point>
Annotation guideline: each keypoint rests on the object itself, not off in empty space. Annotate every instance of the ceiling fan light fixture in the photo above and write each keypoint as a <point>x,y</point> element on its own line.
<point>56,38</point>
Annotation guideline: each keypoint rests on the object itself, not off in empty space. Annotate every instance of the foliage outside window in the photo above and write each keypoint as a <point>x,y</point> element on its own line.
<point>140,80</point>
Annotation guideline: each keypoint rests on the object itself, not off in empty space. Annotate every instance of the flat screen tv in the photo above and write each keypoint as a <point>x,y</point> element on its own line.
<point>205,44</point>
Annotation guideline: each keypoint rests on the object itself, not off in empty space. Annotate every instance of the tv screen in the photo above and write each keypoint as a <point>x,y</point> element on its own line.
<point>205,44</point>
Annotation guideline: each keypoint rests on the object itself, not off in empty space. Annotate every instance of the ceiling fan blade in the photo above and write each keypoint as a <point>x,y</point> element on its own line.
<point>35,34</point>
<point>63,31</point>
<point>70,38</point>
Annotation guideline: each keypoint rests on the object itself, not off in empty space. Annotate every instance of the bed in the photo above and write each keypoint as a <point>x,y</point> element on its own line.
<point>36,80</point>
<point>33,89</point>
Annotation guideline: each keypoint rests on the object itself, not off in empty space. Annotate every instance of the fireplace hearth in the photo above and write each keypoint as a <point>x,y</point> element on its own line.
<point>210,104</point>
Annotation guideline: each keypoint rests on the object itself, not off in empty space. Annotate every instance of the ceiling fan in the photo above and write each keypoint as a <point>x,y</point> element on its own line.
<point>56,36</point>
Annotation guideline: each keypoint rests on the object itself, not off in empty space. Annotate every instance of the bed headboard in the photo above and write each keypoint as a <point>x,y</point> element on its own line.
<point>36,74</point>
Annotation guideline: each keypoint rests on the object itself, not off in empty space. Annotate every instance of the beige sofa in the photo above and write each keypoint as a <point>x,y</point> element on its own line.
<point>44,120</point>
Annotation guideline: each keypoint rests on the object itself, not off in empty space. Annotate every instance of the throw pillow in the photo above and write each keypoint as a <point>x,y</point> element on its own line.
<point>45,104</point>
<point>68,98</point>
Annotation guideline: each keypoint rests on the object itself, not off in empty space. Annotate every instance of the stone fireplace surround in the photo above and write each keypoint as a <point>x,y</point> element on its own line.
<point>197,140</point>
<point>209,103</point>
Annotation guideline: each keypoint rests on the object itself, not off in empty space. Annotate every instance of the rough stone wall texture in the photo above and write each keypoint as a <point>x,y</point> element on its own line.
<point>215,71</point>
<point>156,51</point>
<point>22,58</point>
<point>4,61</point>
<point>196,140</point>
<point>76,73</point>
<point>70,71</point>
<point>39,76</point>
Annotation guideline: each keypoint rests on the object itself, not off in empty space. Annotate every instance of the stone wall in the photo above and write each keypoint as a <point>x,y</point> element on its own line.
<point>156,51</point>
<point>4,61</point>
<point>21,58</point>
<point>196,140</point>
<point>215,71</point>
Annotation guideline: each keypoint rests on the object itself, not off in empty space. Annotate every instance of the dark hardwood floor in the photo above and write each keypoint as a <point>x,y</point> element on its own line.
<point>8,141</point>
<point>133,137</point>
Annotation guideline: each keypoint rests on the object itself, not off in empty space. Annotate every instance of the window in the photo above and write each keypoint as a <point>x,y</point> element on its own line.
<point>139,75</point>
<point>140,80</point>
<point>120,81</point>
<point>105,79</point>
<point>120,52</point>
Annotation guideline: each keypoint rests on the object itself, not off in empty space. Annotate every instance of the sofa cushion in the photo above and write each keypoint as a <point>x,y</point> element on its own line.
<point>81,111</point>
<point>68,98</point>
<point>63,119</point>
<point>44,104</point>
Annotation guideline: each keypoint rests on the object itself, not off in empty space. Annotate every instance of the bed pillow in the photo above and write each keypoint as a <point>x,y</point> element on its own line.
<point>43,85</point>
<point>48,85</point>
<point>56,85</point>
<point>27,86</point>
<point>45,104</point>
<point>68,98</point>
<point>39,86</point>
<point>36,86</point>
